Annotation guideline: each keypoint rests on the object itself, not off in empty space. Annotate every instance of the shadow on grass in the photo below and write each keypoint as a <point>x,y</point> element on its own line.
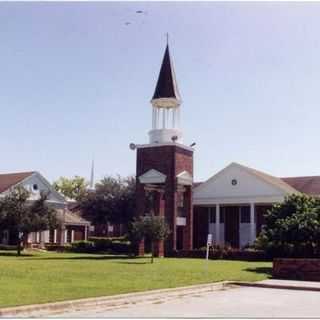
<point>261,270</point>
<point>86,257</point>
<point>134,262</point>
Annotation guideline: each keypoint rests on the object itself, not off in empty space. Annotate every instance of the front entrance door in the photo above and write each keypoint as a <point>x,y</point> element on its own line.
<point>231,226</point>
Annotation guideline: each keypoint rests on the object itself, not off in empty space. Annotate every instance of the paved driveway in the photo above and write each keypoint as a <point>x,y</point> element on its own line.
<point>233,302</point>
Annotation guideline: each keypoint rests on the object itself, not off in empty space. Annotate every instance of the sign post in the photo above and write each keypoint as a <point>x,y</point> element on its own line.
<point>209,244</point>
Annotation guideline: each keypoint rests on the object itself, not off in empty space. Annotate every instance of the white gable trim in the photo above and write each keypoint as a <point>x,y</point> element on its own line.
<point>52,190</point>
<point>262,189</point>
<point>239,166</point>
<point>152,176</point>
<point>185,178</point>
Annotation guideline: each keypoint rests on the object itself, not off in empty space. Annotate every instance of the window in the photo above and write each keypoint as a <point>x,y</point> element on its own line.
<point>222,214</point>
<point>212,212</point>
<point>180,199</point>
<point>35,187</point>
<point>245,214</point>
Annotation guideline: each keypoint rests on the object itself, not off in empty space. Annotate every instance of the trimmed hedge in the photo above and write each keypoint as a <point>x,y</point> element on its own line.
<point>116,245</point>
<point>7,247</point>
<point>57,247</point>
<point>223,253</point>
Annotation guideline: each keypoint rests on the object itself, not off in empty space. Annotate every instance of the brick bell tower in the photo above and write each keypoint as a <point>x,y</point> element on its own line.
<point>165,166</point>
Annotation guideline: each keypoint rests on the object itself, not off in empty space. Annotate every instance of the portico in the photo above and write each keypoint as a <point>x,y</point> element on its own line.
<point>231,205</point>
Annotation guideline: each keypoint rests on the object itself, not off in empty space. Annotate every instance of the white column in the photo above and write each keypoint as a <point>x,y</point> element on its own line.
<point>217,223</point>
<point>174,118</point>
<point>153,118</point>
<point>163,118</point>
<point>65,236</point>
<point>252,224</point>
<point>85,233</point>
<point>55,236</point>
<point>72,235</point>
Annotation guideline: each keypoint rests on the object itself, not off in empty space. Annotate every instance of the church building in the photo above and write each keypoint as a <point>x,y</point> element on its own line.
<point>230,205</point>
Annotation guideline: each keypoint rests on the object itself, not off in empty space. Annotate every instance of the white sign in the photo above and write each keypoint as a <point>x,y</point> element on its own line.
<point>209,240</point>
<point>209,243</point>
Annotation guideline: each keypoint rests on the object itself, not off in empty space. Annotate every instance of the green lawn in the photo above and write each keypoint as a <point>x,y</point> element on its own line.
<point>47,277</point>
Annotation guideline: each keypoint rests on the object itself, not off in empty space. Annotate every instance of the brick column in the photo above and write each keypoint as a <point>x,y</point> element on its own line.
<point>160,205</point>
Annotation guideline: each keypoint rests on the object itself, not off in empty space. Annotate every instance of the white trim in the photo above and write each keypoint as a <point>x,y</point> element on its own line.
<point>141,146</point>
<point>152,176</point>
<point>238,200</point>
<point>165,103</point>
<point>185,178</point>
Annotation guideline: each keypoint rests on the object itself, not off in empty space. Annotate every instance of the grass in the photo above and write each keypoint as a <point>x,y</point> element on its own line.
<point>46,277</point>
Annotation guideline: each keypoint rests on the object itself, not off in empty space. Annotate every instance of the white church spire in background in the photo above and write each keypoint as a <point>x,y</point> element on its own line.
<point>91,185</point>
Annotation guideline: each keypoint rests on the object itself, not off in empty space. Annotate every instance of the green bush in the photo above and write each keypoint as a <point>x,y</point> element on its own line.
<point>83,246</point>
<point>57,247</point>
<point>102,244</point>
<point>292,228</point>
<point>122,247</point>
<point>7,247</point>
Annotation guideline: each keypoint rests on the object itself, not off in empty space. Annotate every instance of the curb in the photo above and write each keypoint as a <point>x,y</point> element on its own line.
<point>273,286</point>
<point>110,301</point>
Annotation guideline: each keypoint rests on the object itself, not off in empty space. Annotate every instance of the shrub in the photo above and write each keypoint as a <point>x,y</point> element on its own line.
<point>6,247</point>
<point>292,228</point>
<point>57,247</point>
<point>101,244</point>
<point>83,246</point>
<point>122,247</point>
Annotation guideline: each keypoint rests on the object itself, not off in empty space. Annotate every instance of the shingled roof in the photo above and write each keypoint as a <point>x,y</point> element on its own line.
<point>167,84</point>
<point>308,185</point>
<point>9,180</point>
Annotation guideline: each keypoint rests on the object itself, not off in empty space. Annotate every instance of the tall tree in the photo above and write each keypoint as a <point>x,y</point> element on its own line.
<point>73,188</point>
<point>113,201</point>
<point>22,217</point>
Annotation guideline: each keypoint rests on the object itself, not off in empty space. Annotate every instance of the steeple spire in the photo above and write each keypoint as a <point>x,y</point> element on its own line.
<point>166,105</point>
<point>167,87</point>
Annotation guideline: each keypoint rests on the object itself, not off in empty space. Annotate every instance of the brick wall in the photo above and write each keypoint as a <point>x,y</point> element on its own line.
<point>296,269</point>
<point>169,160</point>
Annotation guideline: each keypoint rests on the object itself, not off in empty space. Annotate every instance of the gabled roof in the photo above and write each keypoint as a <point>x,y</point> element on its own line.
<point>9,180</point>
<point>278,182</point>
<point>167,84</point>
<point>71,218</point>
<point>308,185</point>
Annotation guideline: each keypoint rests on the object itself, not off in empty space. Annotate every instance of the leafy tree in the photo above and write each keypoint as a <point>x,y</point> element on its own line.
<point>292,228</point>
<point>22,217</point>
<point>113,201</point>
<point>151,227</point>
<point>73,188</point>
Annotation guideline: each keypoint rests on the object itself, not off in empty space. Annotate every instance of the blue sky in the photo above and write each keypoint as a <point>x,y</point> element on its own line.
<point>76,84</point>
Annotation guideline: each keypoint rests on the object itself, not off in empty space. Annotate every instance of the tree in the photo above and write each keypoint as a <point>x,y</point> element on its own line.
<point>151,227</point>
<point>22,217</point>
<point>292,228</point>
<point>113,201</point>
<point>73,188</point>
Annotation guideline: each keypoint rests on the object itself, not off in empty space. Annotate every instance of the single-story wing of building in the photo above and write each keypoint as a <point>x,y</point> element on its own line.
<point>72,226</point>
<point>230,205</point>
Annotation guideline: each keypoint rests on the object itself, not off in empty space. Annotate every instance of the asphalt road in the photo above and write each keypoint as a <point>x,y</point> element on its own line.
<point>234,302</point>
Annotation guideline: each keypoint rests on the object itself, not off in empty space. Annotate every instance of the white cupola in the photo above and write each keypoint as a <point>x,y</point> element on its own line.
<point>166,105</point>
